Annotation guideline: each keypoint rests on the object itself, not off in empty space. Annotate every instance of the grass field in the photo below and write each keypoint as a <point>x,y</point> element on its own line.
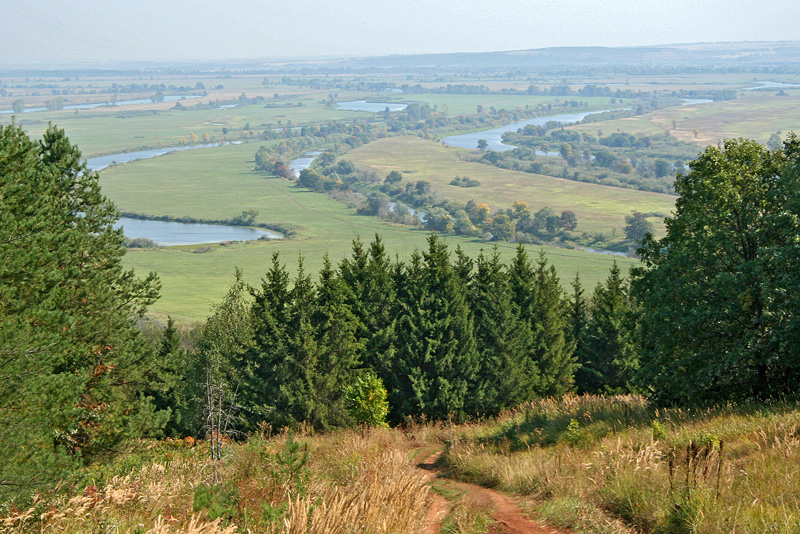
<point>218,183</point>
<point>598,208</point>
<point>104,131</point>
<point>754,114</point>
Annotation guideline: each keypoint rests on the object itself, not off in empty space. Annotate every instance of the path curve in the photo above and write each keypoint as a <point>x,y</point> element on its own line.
<point>508,517</point>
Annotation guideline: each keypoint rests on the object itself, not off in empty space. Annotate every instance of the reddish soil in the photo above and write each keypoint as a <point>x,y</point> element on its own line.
<point>508,517</point>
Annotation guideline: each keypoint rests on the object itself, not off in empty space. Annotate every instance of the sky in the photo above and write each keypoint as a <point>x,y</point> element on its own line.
<point>91,32</point>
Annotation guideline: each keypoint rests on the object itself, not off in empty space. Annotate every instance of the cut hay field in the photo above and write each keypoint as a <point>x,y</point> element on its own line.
<point>598,208</point>
<point>218,183</point>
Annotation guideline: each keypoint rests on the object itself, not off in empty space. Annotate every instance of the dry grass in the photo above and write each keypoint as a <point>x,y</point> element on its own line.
<point>615,470</point>
<point>352,482</point>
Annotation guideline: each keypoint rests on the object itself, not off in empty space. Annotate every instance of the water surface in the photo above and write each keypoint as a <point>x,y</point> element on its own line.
<point>175,233</point>
<point>374,107</point>
<point>494,136</point>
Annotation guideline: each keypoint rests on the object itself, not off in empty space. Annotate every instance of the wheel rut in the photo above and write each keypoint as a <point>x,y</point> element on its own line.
<point>508,516</point>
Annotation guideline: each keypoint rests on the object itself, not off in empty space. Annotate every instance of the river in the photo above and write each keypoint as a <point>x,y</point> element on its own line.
<point>169,98</point>
<point>494,136</point>
<point>96,164</point>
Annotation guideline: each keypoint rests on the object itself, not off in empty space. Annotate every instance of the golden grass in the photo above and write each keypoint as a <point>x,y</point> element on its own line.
<point>353,482</point>
<point>715,471</point>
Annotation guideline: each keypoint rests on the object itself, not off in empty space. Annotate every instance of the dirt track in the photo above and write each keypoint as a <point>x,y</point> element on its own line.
<point>508,517</point>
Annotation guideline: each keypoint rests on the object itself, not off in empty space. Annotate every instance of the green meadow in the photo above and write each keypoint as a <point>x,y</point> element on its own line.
<point>218,183</point>
<point>754,114</point>
<point>107,131</point>
<point>598,208</point>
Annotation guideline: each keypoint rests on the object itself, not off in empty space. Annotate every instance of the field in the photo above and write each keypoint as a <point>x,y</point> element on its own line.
<point>598,208</point>
<point>218,183</point>
<point>754,114</point>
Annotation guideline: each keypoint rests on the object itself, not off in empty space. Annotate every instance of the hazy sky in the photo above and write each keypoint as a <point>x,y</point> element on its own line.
<point>91,31</point>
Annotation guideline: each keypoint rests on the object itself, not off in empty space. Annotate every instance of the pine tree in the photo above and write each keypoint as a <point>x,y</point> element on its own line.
<point>73,360</point>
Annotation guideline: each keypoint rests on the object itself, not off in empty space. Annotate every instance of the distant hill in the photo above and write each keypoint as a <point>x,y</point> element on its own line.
<point>742,54</point>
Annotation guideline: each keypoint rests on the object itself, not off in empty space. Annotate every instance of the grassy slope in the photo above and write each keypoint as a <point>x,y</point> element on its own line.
<point>217,183</point>
<point>589,465</point>
<point>598,208</point>
<point>616,465</point>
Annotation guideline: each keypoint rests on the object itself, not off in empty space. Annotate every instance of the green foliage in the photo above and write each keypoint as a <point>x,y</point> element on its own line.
<point>719,307</point>
<point>367,400</point>
<point>218,501</point>
<point>436,359</point>
<point>292,472</point>
<point>74,363</point>
<point>509,374</point>
<point>609,355</point>
<point>637,227</point>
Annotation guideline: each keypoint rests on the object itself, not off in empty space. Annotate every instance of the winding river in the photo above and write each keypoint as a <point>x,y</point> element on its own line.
<point>494,136</point>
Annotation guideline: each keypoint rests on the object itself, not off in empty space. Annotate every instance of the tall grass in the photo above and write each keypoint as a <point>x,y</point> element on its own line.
<point>720,470</point>
<point>352,482</point>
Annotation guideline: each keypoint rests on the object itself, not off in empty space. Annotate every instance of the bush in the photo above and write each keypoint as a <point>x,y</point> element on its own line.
<point>367,400</point>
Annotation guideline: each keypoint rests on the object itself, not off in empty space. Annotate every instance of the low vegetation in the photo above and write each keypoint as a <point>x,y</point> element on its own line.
<point>620,465</point>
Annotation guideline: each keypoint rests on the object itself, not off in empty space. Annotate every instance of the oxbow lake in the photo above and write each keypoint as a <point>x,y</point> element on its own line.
<point>374,107</point>
<point>175,233</point>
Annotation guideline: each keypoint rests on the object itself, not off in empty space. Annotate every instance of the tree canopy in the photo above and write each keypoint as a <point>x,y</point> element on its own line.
<point>71,357</point>
<point>718,293</point>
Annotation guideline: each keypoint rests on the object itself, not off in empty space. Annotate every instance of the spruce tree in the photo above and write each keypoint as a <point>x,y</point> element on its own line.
<point>339,350</point>
<point>371,295</point>
<point>610,359</point>
<point>507,374</point>
<point>271,344</point>
<point>552,351</point>
<point>436,355</point>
